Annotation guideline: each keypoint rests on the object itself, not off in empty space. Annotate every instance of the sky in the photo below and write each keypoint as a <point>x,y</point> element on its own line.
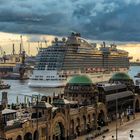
<point>111,20</point>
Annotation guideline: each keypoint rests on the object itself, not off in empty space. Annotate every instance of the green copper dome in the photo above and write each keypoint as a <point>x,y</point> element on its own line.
<point>80,79</point>
<point>120,76</point>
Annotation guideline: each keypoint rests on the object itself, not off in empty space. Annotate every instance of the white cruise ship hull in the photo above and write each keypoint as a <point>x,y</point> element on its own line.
<point>56,82</point>
<point>46,84</point>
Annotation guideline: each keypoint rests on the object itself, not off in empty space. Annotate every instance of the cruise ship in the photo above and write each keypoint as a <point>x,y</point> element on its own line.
<point>74,55</point>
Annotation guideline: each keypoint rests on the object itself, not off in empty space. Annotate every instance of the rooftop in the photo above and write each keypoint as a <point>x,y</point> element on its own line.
<point>61,101</point>
<point>8,111</point>
<point>42,104</point>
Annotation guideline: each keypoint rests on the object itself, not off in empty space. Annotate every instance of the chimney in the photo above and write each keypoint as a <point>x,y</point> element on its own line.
<point>13,49</point>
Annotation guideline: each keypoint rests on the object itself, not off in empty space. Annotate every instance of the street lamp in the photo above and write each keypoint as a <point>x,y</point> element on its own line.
<point>116,119</point>
<point>131,134</point>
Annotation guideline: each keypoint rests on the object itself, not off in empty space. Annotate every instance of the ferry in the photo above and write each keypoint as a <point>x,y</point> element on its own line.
<point>74,55</point>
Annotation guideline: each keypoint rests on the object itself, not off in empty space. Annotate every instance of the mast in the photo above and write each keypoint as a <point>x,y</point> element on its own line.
<point>21,45</point>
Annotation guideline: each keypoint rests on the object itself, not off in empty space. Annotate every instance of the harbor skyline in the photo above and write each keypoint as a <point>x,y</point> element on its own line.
<point>32,41</point>
<point>100,20</point>
<point>69,69</point>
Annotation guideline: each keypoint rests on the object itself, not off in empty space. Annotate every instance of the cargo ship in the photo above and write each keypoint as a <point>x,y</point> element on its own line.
<point>74,55</point>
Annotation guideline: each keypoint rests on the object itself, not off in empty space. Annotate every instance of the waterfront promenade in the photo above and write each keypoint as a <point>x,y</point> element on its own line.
<point>123,130</point>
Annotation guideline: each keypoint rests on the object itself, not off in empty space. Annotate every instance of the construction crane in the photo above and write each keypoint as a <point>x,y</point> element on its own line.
<point>22,68</point>
<point>3,55</point>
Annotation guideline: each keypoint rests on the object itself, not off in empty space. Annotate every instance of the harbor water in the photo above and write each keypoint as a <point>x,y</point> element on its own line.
<point>20,88</point>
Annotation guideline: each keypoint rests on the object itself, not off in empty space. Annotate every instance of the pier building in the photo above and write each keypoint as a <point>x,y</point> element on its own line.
<point>83,107</point>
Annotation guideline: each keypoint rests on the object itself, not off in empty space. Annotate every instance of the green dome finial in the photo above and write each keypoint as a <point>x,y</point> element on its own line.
<point>120,76</point>
<point>80,79</point>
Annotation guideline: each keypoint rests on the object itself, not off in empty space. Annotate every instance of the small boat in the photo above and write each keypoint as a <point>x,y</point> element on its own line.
<point>138,75</point>
<point>3,85</point>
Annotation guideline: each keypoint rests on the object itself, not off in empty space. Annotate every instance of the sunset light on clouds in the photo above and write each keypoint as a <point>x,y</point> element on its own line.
<point>96,20</point>
<point>31,42</point>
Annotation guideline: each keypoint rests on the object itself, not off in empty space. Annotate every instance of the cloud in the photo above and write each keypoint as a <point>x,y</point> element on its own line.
<point>97,19</point>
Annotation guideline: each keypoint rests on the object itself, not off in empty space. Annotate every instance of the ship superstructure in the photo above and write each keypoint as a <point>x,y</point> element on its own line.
<point>76,56</point>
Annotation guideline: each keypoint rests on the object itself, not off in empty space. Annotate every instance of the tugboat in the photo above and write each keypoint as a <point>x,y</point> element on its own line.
<point>3,85</point>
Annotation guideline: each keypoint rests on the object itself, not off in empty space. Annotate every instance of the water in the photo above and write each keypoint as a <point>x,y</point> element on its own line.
<point>20,88</point>
<point>133,71</point>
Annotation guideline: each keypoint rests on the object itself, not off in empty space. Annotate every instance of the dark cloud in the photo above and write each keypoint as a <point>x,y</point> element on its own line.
<point>96,19</point>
